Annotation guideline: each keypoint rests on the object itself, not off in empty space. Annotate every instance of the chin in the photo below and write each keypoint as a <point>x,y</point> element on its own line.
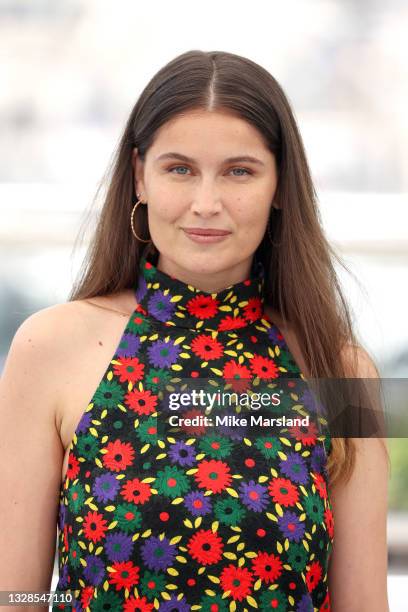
<point>195,263</point>
<point>206,262</point>
<point>202,259</point>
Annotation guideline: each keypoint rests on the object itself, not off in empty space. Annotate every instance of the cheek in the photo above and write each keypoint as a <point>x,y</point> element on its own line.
<point>253,216</point>
<point>165,211</point>
<point>160,219</point>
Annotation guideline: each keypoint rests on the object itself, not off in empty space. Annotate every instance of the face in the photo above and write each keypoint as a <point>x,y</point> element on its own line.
<point>188,181</point>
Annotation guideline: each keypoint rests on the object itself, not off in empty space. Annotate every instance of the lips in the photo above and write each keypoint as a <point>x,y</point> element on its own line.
<point>206,231</point>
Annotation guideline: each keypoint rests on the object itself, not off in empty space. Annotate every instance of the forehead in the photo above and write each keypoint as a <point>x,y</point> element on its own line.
<point>216,133</point>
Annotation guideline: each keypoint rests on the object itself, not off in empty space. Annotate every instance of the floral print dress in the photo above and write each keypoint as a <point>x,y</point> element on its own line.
<point>208,518</point>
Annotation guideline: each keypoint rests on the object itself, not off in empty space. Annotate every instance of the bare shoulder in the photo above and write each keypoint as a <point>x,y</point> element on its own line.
<point>359,362</point>
<point>53,337</point>
<point>38,337</point>
<point>63,318</point>
<point>46,335</point>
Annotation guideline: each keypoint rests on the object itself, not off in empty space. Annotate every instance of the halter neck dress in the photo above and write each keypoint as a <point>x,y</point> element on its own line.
<point>208,518</point>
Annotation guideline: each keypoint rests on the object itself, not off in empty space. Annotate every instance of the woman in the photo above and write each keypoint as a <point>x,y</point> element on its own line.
<point>209,262</point>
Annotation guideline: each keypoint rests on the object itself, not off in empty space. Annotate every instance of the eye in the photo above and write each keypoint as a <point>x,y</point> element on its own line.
<point>244,169</point>
<point>175,168</point>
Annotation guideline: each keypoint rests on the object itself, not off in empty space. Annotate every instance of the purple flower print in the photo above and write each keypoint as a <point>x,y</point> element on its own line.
<point>305,604</point>
<point>94,571</point>
<point>84,423</point>
<point>173,604</point>
<point>119,546</point>
<point>275,336</point>
<point>128,346</point>
<point>158,554</point>
<point>63,579</point>
<point>254,495</point>
<point>182,453</point>
<point>105,487</point>
<point>141,288</point>
<point>61,516</point>
<point>291,527</point>
<point>309,400</point>
<point>197,503</point>
<point>318,459</point>
<point>294,467</point>
<point>160,306</point>
<point>163,354</point>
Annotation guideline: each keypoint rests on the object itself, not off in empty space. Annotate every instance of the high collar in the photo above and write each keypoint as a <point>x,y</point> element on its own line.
<point>178,304</point>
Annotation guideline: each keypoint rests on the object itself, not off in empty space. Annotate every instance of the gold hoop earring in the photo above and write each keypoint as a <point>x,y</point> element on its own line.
<point>132,223</point>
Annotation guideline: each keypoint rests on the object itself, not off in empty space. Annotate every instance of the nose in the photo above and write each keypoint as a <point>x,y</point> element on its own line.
<point>206,200</point>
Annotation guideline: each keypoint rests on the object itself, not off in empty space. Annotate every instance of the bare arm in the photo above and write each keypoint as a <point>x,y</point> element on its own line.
<point>358,564</point>
<point>31,457</point>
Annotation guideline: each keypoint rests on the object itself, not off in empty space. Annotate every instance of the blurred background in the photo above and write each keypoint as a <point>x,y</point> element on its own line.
<point>71,72</point>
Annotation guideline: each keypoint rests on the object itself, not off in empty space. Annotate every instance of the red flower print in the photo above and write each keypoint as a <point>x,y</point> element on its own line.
<point>94,526</point>
<point>267,566</point>
<point>124,575</point>
<point>253,310</point>
<point>320,484</point>
<point>264,367</point>
<point>329,520</point>
<point>283,491</point>
<point>207,347</point>
<point>313,575</point>
<point>205,547</point>
<point>202,306</point>
<point>141,402</point>
<point>229,323</point>
<point>213,475</point>
<point>136,491</point>
<point>86,596</point>
<point>130,369</point>
<point>308,438</point>
<point>326,607</point>
<point>237,375</point>
<point>135,318</point>
<point>73,466</point>
<point>136,604</point>
<point>238,580</point>
<point>118,456</point>
<point>193,430</point>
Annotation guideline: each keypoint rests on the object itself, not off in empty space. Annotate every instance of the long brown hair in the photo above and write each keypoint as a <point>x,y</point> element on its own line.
<point>301,283</point>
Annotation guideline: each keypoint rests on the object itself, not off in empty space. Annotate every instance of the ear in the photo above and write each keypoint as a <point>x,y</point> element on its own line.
<point>138,168</point>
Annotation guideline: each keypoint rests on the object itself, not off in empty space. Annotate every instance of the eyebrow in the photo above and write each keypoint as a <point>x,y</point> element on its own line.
<point>238,158</point>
